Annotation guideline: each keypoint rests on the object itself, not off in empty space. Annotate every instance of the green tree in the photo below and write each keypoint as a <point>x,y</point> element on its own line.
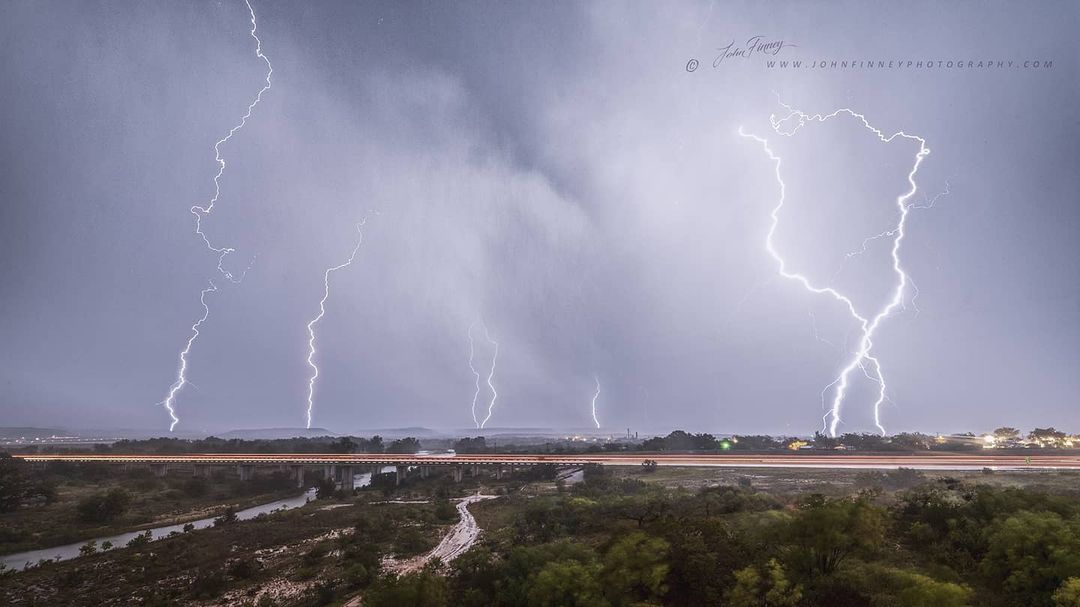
<point>825,532</point>
<point>771,588</point>
<point>88,548</point>
<point>1068,594</point>
<point>1006,433</point>
<point>227,518</point>
<point>567,584</point>
<point>1047,437</point>
<point>13,483</point>
<point>474,577</point>
<point>635,568</point>
<point>404,445</point>
<point>1031,554</point>
<point>419,589</point>
<point>103,506</point>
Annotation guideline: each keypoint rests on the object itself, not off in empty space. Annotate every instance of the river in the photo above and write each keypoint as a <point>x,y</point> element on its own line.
<point>69,551</point>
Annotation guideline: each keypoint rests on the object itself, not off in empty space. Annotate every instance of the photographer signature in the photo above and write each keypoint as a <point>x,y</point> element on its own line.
<point>755,45</point>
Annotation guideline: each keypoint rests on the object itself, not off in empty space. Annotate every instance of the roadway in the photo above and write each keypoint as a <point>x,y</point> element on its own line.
<point>928,461</point>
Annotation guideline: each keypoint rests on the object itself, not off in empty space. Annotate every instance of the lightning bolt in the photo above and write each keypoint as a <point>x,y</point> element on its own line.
<point>862,357</point>
<point>199,212</point>
<point>181,375</point>
<point>491,376</point>
<point>594,397</point>
<point>314,321</point>
<point>476,395</point>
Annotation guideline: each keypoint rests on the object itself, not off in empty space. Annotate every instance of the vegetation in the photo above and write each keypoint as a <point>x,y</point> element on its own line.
<point>66,503</point>
<point>635,536</point>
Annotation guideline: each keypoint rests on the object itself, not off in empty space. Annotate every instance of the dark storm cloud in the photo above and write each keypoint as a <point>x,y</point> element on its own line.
<point>551,169</point>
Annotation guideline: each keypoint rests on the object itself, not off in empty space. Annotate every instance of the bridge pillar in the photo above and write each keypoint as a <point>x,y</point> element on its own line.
<point>246,471</point>
<point>298,474</point>
<point>400,473</point>
<point>498,472</point>
<point>330,472</point>
<point>202,470</point>
<point>347,479</point>
<point>159,470</point>
<point>459,473</point>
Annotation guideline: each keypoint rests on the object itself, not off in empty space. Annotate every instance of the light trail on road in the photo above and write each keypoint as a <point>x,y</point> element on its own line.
<point>935,461</point>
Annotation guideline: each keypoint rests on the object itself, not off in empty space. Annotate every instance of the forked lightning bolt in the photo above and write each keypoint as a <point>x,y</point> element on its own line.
<point>476,374</point>
<point>199,212</point>
<point>314,321</point>
<point>491,376</point>
<point>181,375</point>
<point>861,358</point>
<point>594,397</point>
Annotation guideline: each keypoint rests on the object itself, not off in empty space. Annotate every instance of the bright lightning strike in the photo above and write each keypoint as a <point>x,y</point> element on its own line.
<point>868,325</point>
<point>199,212</point>
<point>491,376</point>
<point>181,375</point>
<point>594,397</point>
<point>476,374</point>
<point>314,321</point>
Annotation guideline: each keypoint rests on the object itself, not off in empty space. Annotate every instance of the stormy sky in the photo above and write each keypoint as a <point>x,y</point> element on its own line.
<point>557,171</point>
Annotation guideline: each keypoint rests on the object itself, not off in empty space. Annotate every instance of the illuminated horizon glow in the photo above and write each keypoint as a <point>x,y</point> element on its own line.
<point>868,326</point>
<point>223,252</point>
<point>181,375</point>
<point>322,312</point>
<point>491,377</point>
<point>476,395</point>
<point>595,396</point>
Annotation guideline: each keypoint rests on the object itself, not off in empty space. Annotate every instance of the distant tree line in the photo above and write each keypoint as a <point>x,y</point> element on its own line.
<point>213,444</point>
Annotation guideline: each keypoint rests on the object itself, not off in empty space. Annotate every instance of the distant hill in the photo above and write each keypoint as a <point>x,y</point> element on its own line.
<point>31,432</point>
<point>250,433</point>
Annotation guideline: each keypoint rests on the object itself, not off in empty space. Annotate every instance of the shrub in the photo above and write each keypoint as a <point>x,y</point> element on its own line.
<point>103,506</point>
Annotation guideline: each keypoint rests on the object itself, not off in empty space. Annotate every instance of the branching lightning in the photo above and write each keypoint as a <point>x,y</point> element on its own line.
<point>314,321</point>
<point>861,358</point>
<point>491,376</point>
<point>181,375</point>
<point>199,212</point>
<point>594,397</point>
<point>476,374</point>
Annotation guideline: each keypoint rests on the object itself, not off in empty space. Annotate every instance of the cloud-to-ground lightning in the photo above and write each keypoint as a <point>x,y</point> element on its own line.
<point>491,376</point>
<point>861,358</point>
<point>594,397</point>
<point>181,374</point>
<point>476,374</point>
<point>314,321</point>
<point>199,212</point>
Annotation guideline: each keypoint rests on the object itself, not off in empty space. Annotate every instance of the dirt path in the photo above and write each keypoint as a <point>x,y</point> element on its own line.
<point>462,536</point>
<point>454,544</point>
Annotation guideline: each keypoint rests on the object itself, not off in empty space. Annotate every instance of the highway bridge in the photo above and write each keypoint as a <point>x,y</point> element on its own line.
<point>343,466</point>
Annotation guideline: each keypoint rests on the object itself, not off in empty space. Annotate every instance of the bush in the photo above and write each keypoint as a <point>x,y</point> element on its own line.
<point>445,511</point>
<point>103,506</point>
<point>208,584</point>
<point>227,518</point>
<point>420,589</point>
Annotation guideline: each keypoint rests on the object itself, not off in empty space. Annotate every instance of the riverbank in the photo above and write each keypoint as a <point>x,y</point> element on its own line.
<point>73,508</point>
